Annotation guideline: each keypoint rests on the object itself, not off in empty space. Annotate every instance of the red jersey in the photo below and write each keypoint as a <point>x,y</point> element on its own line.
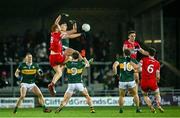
<point>131,45</point>
<point>149,68</point>
<point>55,43</point>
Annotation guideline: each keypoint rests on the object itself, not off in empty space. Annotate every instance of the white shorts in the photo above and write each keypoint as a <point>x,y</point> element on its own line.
<point>125,85</point>
<point>28,86</point>
<point>76,86</point>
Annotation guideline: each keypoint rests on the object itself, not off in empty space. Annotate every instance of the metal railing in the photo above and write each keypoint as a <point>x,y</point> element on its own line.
<point>95,88</point>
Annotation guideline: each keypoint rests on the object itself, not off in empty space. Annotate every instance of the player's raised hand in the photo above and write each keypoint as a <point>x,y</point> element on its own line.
<point>57,20</point>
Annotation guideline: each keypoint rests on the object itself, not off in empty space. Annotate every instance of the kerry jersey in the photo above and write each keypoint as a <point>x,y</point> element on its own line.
<point>126,69</point>
<point>28,72</point>
<point>74,71</point>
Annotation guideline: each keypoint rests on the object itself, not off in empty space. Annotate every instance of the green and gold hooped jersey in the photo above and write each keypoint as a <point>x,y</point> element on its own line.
<point>28,72</point>
<point>126,69</point>
<point>74,71</point>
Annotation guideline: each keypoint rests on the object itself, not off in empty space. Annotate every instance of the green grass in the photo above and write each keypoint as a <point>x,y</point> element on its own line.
<point>83,112</point>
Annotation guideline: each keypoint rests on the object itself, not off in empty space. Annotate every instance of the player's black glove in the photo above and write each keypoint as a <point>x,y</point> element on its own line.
<point>40,72</point>
<point>83,34</point>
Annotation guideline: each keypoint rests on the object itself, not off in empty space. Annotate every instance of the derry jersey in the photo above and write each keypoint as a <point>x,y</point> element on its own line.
<point>55,43</point>
<point>149,68</point>
<point>131,46</point>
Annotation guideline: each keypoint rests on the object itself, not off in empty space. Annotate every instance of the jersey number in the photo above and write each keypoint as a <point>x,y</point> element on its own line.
<point>150,68</point>
<point>127,66</point>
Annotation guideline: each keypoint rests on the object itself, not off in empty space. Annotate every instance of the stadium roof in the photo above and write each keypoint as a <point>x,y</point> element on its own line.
<point>35,8</point>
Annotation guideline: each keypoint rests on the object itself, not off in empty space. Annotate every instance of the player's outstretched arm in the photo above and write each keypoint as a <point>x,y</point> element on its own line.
<point>73,30</point>
<point>142,51</point>
<point>72,36</point>
<point>135,66</point>
<point>58,19</point>
<point>86,62</point>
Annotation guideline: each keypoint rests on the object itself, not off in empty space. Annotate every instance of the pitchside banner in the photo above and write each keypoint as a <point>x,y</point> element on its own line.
<point>166,100</point>
<point>11,102</point>
<point>81,101</point>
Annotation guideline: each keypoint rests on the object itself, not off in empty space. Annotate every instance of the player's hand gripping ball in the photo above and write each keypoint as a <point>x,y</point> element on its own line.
<point>86,27</point>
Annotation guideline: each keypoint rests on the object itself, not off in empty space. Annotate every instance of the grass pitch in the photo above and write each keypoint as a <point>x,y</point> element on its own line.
<point>83,112</point>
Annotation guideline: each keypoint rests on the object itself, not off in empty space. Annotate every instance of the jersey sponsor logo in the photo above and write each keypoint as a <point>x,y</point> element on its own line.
<point>29,72</point>
<point>74,71</point>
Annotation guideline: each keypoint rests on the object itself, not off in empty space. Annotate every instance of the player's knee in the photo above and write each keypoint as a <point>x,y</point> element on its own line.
<point>68,51</point>
<point>66,98</point>
<point>22,97</point>
<point>122,93</point>
<point>88,98</point>
<point>136,96</point>
<point>59,72</point>
<point>86,95</point>
<point>40,96</point>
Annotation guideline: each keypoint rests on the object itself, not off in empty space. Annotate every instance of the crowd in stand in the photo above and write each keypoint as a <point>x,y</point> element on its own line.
<point>14,47</point>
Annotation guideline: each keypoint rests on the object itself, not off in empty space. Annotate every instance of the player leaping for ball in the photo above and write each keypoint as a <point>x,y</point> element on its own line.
<point>57,57</point>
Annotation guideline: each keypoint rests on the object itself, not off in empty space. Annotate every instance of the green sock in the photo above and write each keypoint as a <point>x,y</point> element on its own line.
<point>43,106</point>
<point>15,109</point>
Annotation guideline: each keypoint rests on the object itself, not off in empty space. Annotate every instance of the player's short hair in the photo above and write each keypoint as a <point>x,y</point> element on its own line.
<point>127,52</point>
<point>131,32</point>
<point>28,53</point>
<point>75,55</point>
<point>53,27</point>
<point>63,23</point>
<point>152,51</point>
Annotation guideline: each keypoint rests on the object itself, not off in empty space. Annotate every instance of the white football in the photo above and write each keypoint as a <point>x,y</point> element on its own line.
<point>86,27</point>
